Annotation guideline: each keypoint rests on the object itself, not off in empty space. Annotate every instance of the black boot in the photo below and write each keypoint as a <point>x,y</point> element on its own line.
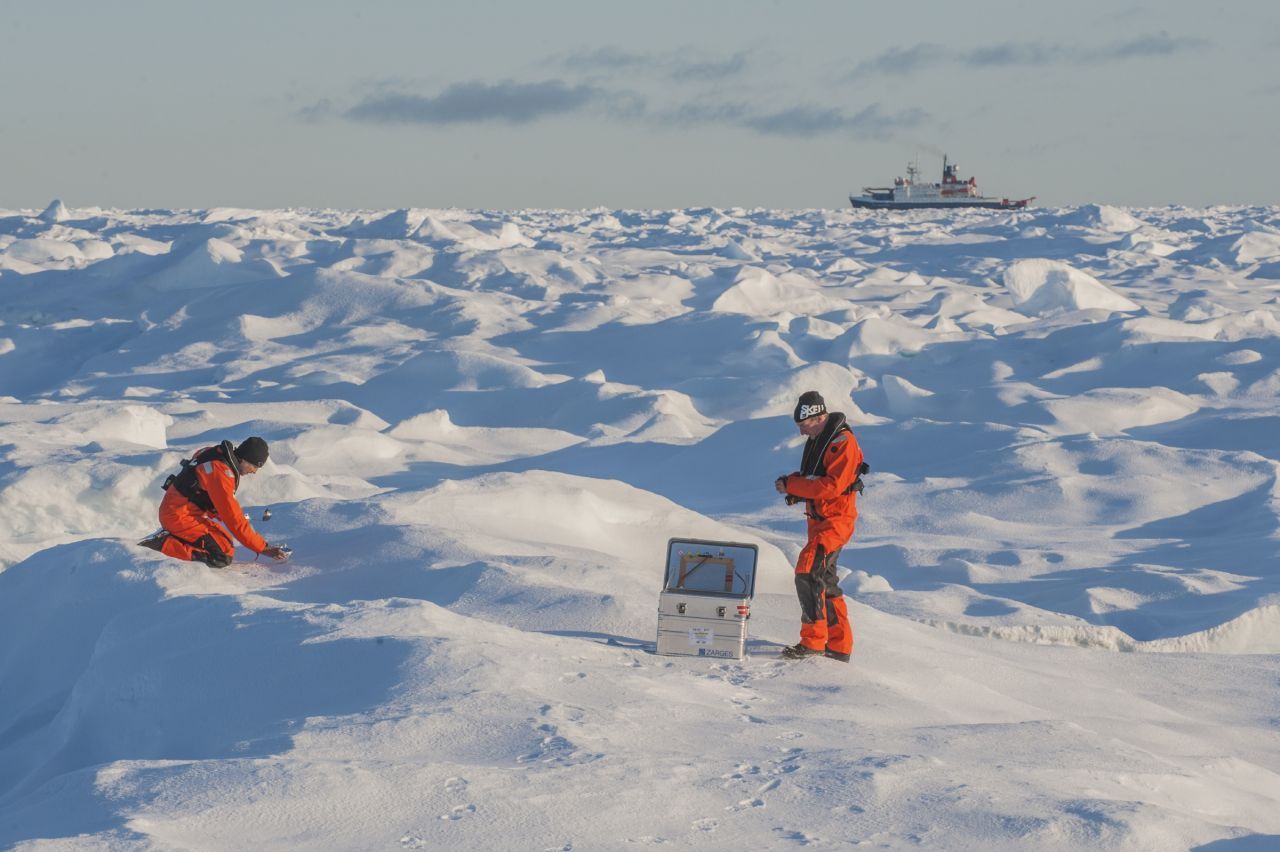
<point>155,541</point>
<point>798,652</point>
<point>836,655</point>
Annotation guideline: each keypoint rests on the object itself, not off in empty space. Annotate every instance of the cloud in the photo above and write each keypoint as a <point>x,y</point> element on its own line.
<point>622,105</point>
<point>691,114</point>
<point>905,61</point>
<point>898,61</point>
<point>316,112</point>
<point>1012,53</point>
<point>872,122</point>
<point>805,120</point>
<point>1161,44</point>
<point>474,102</point>
<point>704,71</point>
<point>521,103</point>
<point>606,59</point>
<point>799,121</point>
<point>674,65</point>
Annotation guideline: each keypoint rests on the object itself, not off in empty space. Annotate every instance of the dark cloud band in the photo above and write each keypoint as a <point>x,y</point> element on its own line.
<point>522,103</point>
<point>905,61</point>
<point>473,102</point>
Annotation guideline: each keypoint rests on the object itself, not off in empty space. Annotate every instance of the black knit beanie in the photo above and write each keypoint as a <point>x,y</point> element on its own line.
<point>811,404</point>
<point>253,450</point>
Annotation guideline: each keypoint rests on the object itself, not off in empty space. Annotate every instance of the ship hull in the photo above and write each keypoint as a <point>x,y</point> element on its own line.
<point>987,203</point>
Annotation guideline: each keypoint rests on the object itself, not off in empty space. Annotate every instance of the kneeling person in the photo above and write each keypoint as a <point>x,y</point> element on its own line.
<point>200,513</point>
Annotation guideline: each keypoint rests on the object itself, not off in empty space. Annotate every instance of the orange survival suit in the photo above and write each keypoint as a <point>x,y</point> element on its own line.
<point>828,483</point>
<point>196,499</point>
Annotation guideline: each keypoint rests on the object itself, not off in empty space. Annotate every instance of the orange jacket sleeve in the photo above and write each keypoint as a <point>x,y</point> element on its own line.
<point>220,482</point>
<point>843,459</point>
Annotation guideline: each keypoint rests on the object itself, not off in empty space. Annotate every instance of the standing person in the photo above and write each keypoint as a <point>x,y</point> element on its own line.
<point>827,483</point>
<point>200,513</point>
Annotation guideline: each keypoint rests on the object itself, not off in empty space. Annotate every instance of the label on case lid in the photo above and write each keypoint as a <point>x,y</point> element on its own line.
<point>700,635</point>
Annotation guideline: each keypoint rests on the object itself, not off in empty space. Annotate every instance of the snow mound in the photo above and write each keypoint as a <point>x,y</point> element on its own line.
<point>55,212</point>
<point>905,399</point>
<point>778,397</point>
<point>861,583</point>
<point>1255,632</point>
<point>1110,411</point>
<point>342,451</point>
<point>1137,242</point>
<point>738,250</point>
<point>132,424</point>
<point>665,417</point>
<point>1102,217</point>
<point>890,335</point>
<point>605,222</point>
<point>432,436</point>
<point>435,371</point>
<point>46,253</point>
<point>210,263</point>
<point>1256,247</point>
<point>846,264</point>
<point>396,225</point>
<point>1042,287</point>
<point>758,292</point>
<point>476,236</point>
<point>540,513</point>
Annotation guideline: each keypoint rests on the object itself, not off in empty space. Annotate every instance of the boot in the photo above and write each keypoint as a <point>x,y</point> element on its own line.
<point>798,651</point>
<point>155,541</point>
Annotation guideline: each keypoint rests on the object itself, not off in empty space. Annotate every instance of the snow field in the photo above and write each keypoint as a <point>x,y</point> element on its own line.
<point>484,427</point>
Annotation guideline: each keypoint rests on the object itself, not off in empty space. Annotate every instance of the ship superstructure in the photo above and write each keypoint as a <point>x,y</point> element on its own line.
<point>909,193</point>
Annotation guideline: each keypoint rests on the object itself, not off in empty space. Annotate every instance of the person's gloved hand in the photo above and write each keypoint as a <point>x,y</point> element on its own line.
<point>279,554</point>
<point>780,485</point>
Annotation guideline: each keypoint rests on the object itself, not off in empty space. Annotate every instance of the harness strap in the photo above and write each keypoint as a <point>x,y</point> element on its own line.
<point>188,485</point>
<point>813,462</point>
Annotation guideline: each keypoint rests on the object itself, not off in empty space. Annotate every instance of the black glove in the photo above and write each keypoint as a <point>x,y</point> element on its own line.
<point>781,485</point>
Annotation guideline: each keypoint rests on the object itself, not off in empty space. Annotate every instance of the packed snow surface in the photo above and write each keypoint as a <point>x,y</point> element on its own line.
<point>484,427</point>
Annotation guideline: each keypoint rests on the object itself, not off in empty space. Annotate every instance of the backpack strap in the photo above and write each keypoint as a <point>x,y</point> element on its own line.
<point>188,485</point>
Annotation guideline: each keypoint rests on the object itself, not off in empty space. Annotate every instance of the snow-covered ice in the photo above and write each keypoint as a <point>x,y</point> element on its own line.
<point>1065,584</point>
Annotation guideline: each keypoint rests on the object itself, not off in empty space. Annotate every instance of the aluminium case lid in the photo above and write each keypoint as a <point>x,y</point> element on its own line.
<point>718,568</point>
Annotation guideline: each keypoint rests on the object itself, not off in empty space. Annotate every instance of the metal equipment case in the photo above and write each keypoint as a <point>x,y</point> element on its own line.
<point>706,598</point>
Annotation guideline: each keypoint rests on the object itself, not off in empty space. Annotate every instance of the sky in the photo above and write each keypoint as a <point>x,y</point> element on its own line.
<point>501,105</point>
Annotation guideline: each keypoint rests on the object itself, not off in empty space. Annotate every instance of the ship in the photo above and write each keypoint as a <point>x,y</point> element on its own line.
<point>909,194</point>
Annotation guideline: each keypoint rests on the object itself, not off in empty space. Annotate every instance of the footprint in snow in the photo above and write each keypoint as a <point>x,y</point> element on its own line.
<point>797,837</point>
<point>742,770</point>
<point>459,812</point>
